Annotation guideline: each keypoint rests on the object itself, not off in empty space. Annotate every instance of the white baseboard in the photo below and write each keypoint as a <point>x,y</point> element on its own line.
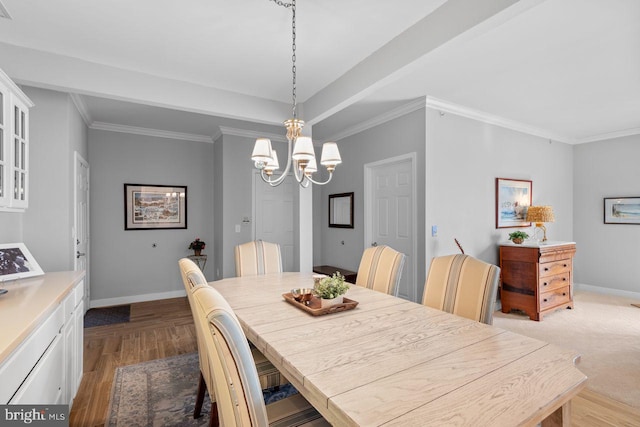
<point>107,302</point>
<point>607,291</point>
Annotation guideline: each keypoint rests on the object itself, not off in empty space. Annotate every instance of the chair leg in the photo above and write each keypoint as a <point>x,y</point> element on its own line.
<point>213,416</point>
<point>199,397</point>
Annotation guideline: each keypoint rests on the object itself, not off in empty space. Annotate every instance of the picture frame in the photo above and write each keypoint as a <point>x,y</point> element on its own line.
<point>513,198</point>
<point>341,210</point>
<point>155,207</point>
<point>16,262</point>
<point>622,210</point>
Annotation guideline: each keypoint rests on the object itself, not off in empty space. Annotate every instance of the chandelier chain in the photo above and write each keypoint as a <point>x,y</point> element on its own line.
<point>283,4</point>
<point>293,59</point>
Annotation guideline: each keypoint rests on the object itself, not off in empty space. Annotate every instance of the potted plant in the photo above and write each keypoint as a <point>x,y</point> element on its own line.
<point>330,290</point>
<point>197,246</point>
<point>518,237</point>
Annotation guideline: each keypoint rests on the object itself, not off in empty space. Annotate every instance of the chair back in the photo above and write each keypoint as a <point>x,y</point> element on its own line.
<point>462,285</point>
<point>235,378</point>
<point>258,257</point>
<point>380,269</point>
<point>193,279</point>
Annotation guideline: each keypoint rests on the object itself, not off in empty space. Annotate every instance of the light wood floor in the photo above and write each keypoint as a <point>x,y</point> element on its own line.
<point>165,328</point>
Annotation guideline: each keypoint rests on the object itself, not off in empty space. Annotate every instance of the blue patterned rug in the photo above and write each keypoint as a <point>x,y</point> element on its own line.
<point>163,393</point>
<point>107,315</point>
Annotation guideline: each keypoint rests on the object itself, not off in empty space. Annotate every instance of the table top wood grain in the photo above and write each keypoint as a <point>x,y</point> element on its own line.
<point>393,362</point>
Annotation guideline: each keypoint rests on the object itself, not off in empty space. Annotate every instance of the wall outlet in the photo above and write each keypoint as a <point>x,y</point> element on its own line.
<point>238,228</point>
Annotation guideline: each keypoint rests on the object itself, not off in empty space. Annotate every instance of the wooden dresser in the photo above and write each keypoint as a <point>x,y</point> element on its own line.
<point>536,278</point>
<point>349,276</point>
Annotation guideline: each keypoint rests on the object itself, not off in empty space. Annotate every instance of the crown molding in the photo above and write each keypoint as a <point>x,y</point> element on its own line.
<point>400,111</point>
<point>610,135</point>
<point>150,132</point>
<point>81,106</point>
<point>224,130</point>
<point>481,116</point>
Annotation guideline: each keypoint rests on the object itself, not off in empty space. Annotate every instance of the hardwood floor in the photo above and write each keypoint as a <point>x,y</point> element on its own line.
<point>164,328</point>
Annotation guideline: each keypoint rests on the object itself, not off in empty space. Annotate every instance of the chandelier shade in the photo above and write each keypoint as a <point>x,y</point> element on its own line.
<point>303,156</point>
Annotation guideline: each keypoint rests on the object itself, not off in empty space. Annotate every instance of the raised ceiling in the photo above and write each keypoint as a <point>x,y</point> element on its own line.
<point>568,68</point>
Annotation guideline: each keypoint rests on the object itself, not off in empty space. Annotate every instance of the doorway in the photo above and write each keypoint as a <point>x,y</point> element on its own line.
<point>390,213</point>
<point>81,221</point>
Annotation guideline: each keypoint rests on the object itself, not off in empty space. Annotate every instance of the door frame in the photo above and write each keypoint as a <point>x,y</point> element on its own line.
<point>77,158</point>
<point>368,213</point>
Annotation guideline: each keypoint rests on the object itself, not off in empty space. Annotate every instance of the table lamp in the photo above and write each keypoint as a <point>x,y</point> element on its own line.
<point>540,215</point>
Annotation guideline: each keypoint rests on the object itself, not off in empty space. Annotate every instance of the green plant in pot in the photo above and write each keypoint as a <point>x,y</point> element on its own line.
<point>518,237</point>
<point>331,289</point>
<point>197,246</point>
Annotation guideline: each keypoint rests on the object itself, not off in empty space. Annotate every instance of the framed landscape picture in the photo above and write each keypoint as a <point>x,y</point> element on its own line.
<point>622,210</point>
<point>16,262</point>
<point>513,198</point>
<point>152,207</point>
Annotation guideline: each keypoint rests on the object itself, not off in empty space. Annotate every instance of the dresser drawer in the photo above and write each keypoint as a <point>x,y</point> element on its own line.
<point>555,297</point>
<point>550,283</point>
<point>554,267</point>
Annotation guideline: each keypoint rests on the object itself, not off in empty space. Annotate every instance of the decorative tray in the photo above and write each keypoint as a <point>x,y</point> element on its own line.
<point>314,308</point>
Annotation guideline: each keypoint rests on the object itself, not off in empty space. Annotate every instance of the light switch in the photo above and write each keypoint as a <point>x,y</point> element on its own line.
<point>237,228</point>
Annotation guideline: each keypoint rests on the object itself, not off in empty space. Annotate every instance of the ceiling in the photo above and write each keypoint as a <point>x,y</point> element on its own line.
<point>569,69</point>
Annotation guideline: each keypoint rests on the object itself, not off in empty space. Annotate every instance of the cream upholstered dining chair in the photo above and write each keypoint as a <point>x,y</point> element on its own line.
<point>258,257</point>
<point>462,285</point>
<point>268,375</point>
<point>235,378</point>
<point>380,269</point>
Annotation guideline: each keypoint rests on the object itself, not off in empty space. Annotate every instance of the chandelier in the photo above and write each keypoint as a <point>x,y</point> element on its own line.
<point>303,157</point>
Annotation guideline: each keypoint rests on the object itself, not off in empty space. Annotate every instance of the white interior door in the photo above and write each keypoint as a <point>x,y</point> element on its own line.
<point>390,213</point>
<point>81,221</point>
<point>274,221</point>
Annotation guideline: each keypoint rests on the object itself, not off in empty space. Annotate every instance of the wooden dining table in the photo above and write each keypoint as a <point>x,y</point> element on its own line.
<point>393,362</point>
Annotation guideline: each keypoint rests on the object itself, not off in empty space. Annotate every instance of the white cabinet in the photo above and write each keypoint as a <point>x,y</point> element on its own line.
<point>14,146</point>
<point>46,366</point>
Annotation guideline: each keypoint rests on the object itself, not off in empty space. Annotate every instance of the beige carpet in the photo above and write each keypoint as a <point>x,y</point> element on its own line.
<point>604,329</point>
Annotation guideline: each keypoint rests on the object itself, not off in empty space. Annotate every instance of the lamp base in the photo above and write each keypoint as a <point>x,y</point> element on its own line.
<point>540,232</point>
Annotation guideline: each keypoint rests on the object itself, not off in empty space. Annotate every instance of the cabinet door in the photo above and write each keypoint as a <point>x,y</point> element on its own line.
<point>45,383</point>
<point>19,176</point>
<point>5,139</point>
<point>79,343</point>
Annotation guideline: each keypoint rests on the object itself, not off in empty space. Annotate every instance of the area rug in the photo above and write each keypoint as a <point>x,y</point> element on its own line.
<point>107,315</point>
<point>604,330</point>
<point>163,393</point>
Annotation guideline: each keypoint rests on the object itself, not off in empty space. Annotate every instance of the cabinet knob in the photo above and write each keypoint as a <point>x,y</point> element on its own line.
<point>564,294</point>
<point>544,284</point>
<point>545,300</point>
<point>565,265</point>
<point>546,269</point>
<point>564,279</point>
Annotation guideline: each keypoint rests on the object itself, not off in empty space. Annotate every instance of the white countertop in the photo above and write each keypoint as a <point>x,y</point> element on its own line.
<point>28,302</point>
<point>534,244</point>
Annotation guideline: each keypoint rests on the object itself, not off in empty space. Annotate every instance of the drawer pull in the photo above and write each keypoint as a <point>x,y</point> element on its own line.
<point>564,279</point>
<point>565,265</point>
<point>564,294</point>
<point>545,300</point>
<point>545,284</point>
<point>546,269</point>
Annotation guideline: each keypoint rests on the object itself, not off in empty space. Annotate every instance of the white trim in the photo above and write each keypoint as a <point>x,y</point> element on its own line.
<point>13,87</point>
<point>217,134</point>
<point>150,132</point>
<point>607,291</point>
<point>610,135</point>
<point>481,116</point>
<point>400,111</point>
<point>251,134</point>
<point>368,220</point>
<point>106,302</point>
<point>81,106</point>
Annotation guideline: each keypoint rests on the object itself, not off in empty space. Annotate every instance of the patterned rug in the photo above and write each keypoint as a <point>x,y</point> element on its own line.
<point>163,392</point>
<point>107,315</point>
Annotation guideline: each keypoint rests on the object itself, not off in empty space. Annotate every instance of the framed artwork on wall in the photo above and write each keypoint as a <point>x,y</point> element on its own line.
<point>513,198</point>
<point>622,210</point>
<point>153,207</point>
<point>16,262</point>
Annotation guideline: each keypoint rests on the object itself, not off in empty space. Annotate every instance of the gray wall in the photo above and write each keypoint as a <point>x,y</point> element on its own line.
<point>56,131</point>
<point>124,263</point>
<point>609,253</point>
<point>464,157</point>
<point>403,135</point>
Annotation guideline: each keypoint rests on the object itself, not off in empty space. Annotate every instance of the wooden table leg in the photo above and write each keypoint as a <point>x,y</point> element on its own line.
<point>560,417</point>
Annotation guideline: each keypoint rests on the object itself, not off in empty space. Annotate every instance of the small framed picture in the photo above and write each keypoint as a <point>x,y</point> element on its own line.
<point>622,210</point>
<point>16,262</point>
<point>513,198</point>
<point>152,207</point>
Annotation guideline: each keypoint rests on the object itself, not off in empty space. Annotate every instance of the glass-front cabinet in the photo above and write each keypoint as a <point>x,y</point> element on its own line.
<point>14,146</point>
